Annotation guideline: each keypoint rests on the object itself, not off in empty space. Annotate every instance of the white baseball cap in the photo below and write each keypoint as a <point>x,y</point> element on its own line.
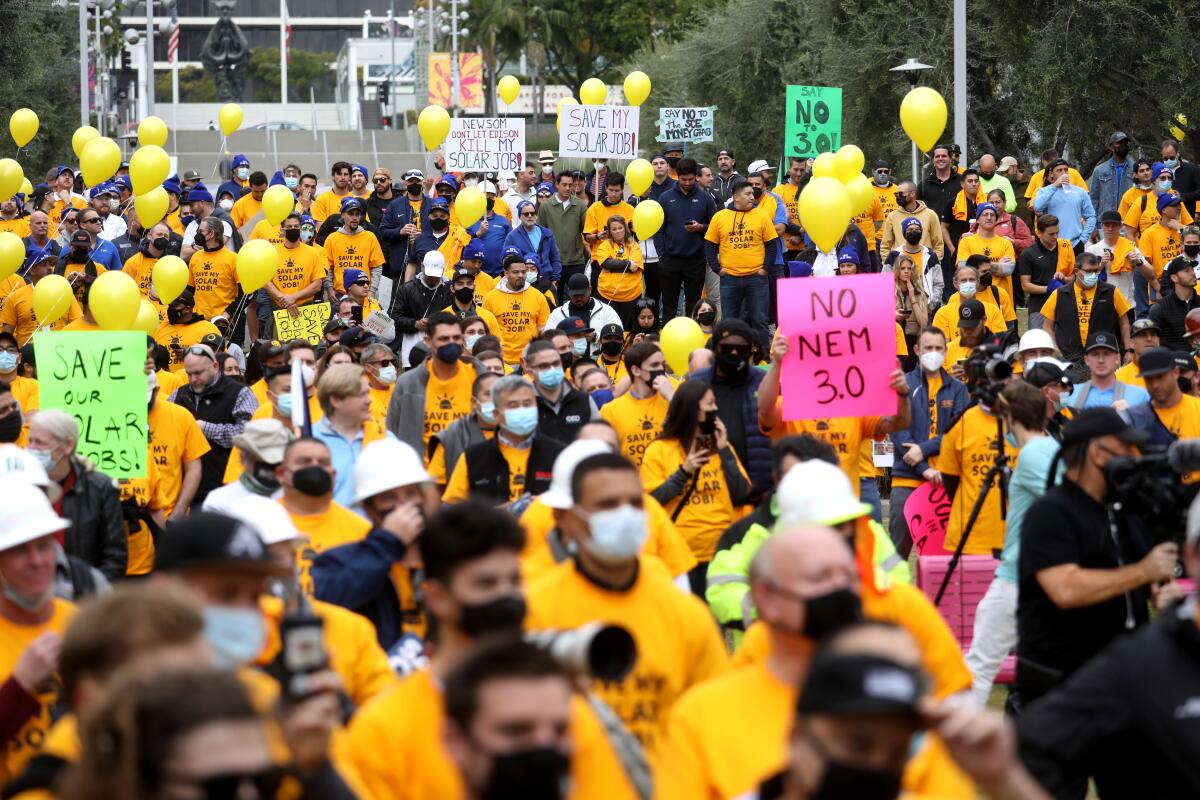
<point>387,464</point>
<point>434,264</point>
<point>559,494</point>
<point>269,519</point>
<point>757,166</point>
<point>816,492</point>
<point>19,464</point>
<point>25,514</point>
<point>489,187</point>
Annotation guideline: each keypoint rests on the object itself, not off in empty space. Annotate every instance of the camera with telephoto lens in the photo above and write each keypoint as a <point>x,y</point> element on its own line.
<point>1149,495</point>
<point>986,371</point>
<point>597,650</point>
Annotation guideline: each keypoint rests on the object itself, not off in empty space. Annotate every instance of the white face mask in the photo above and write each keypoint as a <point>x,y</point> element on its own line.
<point>471,181</point>
<point>967,289</point>
<point>617,534</point>
<point>151,385</point>
<point>307,235</point>
<point>226,204</point>
<point>387,375</point>
<point>531,277</point>
<point>932,361</point>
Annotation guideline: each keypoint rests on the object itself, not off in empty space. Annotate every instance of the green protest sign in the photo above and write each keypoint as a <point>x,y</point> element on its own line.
<point>812,121</point>
<point>99,378</point>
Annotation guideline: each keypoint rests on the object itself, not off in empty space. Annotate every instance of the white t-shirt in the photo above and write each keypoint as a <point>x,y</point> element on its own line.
<point>189,234</point>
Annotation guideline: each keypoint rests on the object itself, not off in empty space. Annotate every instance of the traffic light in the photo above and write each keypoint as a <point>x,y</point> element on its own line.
<point>383,92</point>
<point>126,59</point>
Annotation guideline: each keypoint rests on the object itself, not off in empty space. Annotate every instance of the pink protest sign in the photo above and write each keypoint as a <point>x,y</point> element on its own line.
<point>842,337</point>
<point>927,512</point>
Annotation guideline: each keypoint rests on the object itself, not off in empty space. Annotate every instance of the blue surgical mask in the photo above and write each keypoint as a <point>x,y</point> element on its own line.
<point>387,375</point>
<point>1170,163</point>
<point>1164,186</point>
<point>44,457</point>
<point>551,378</point>
<point>291,183</point>
<point>1089,279</point>
<point>236,635</point>
<point>967,289</point>
<point>521,421</point>
<point>243,173</point>
<point>283,404</point>
<point>602,396</point>
<point>617,534</point>
<point>1012,440</point>
<point>487,413</point>
<point>471,340</point>
<point>8,362</point>
<point>578,347</point>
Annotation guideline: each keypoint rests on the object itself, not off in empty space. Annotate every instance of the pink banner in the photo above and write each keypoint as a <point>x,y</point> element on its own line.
<point>927,513</point>
<point>842,333</point>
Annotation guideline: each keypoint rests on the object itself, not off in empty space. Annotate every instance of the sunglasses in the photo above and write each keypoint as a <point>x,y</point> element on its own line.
<point>362,283</point>
<point>379,180</point>
<point>528,213</point>
<point>391,362</point>
<point>199,350</point>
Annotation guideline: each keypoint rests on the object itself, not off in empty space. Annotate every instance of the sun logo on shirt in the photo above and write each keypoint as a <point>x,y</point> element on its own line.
<point>822,425</point>
<point>290,263</point>
<point>647,424</point>
<point>518,479</point>
<point>516,306</point>
<point>445,403</point>
<point>351,250</point>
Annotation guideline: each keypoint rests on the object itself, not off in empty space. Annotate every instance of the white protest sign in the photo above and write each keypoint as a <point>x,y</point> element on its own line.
<point>381,325</point>
<point>598,132</point>
<point>685,125</point>
<point>485,144</point>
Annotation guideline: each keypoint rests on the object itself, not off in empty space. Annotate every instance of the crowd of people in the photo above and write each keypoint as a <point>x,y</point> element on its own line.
<point>480,538</point>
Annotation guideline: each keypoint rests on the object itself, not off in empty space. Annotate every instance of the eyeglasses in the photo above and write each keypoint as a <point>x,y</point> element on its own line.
<point>379,180</point>
<point>362,283</point>
<point>389,362</point>
<point>528,213</point>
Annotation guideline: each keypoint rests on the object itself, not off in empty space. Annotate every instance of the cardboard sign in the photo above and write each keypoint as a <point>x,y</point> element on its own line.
<point>927,512</point>
<point>309,325</point>
<point>812,121</point>
<point>381,325</point>
<point>842,333</point>
<point>485,144</point>
<point>99,378</point>
<point>685,125</point>
<point>598,132</point>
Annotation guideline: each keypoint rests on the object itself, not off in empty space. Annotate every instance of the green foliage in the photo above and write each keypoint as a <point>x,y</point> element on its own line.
<point>195,86</point>
<point>304,70</point>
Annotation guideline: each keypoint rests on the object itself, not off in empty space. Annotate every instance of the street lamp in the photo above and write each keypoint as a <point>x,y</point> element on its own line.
<point>912,69</point>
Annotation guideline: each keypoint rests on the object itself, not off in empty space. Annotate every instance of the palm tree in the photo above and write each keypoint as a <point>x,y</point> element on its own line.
<point>501,29</point>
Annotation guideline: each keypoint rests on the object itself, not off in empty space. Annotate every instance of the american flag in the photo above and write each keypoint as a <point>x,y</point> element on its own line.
<point>287,35</point>
<point>173,41</point>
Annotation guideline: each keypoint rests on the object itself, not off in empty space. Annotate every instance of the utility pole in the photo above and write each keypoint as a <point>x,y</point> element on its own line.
<point>149,57</point>
<point>84,109</point>
<point>960,77</point>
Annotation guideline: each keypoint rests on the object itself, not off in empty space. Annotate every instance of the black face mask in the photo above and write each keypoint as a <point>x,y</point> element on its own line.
<point>312,481</point>
<point>610,348</point>
<point>672,161</point>
<point>449,353</point>
<point>539,773</point>
<point>439,224</point>
<point>160,244</point>
<point>758,192</point>
<point>708,425</point>
<point>490,203</point>
<point>829,613</point>
<point>464,294</point>
<point>912,236</point>
<point>1192,250</point>
<point>413,188</point>
<point>264,476</point>
<point>199,240</point>
<point>985,280</point>
<point>1123,150</point>
<point>901,199</point>
<point>843,780</point>
<point>706,317</point>
<point>502,614</point>
<point>292,234</point>
<point>10,427</point>
<point>79,255</point>
<point>1185,384</point>
<point>729,364</point>
<point>176,315</point>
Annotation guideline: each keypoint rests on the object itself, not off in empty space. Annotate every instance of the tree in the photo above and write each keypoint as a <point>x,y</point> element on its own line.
<point>498,30</point>
<point>304,70</point>
<point>195,86</point>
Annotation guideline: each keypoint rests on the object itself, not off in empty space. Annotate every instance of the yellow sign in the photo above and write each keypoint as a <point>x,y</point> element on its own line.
<point>470,80</point>
<point>309,325</point>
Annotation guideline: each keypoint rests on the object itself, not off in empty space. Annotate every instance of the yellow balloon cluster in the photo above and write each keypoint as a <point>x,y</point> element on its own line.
<point>825,211</point>
<point>11,176</point>
<point>256,263</point>
<point>81,137</point>
<point>508,88</point>
<point>100,159</point>
<point>647,219</point>
<point>230,117</point>
<point>471,204</point>
<point>638,175</point>
<point>433,124</point>
<point>593,92</point>
<point>12,254</point>
<point>151,207</point>
<point>26,187</point>
<point>277,203</point>
<point>115,300</point>
<point>923,116</point>
<point>23,125</point>
<point>152,131</point>
<point>678,339</point>
<point>51,299</point>
<point>147,318</point>
<point>637,88</point>
<point>148,168</point>
<point>169,277</point>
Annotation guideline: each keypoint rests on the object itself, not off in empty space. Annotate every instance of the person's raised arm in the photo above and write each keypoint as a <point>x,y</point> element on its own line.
<point>769,413</point>
<point>903,416</point>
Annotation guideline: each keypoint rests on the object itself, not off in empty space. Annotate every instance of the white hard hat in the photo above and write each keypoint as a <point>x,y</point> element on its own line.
<point>1036,339</point>
<point>559,493</point>
<point>269,519</point>
<point>387,464</point>
<point>816,492</point>
<point>489,187</point>
<point>19,464</point>
<point>25,514</point>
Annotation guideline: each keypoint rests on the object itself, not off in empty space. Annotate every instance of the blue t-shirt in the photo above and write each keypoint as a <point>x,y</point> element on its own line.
<point>1134,396</point>
<point>535,238</point>
<point>1028,483</point>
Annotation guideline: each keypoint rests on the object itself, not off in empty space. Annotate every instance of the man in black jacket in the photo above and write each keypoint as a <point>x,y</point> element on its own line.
<point>562,409</point>
<point>1187,175</point>
<point>1136,703</point>
<point>427,293</point>
<point>1178,297</point>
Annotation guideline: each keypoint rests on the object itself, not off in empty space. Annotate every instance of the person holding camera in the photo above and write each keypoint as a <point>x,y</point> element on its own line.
<point>1171,413</point>
<point>1080,584</point>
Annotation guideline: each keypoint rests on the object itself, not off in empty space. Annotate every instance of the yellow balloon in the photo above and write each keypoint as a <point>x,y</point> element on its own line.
<point>848,162</point>
<point>647,219</point>
<point>51,299</point>
<point>11,176</point>
<point>26,188</point>
<point>147,318</point>
<point>566,101</point>
<point>508,88</point>
<point>593,92</point>
<point>115,301</point>
<point>638,175</point>
<point>169,277</point>
<point>152,131</point>
<point>148,168</point>
<point>824,166</point>
<point>256,263</point>
<point>277,203</point>
<point>678,339</point>
<point>151,207</point>
<point>23,125</point>
<point>637,89</point>
<point>81,137</point>
<point>923,116</point>
<point>825,211</point>
<point>470,204</point>
<point>100,160</point>
<point>861,193</point>
<point>230,118</point>
<point>433,124</point>
<point>12,254</point>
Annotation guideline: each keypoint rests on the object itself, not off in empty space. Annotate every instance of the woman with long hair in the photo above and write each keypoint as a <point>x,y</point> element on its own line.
<point>620,262</point>
<point>912,304</point>
<point>334,354</point>
<point>644,322</point>
<point>705,314</point>
<point>695,474</point>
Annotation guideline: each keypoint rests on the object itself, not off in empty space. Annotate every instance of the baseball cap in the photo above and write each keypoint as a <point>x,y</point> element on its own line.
<point>1176,264</point>
<point>725,151</point>
<point>434,264</point>
<point>413,175</point>
<point>1101,339</point>
<point>61,168</point>
<point>546,157</point>
<point>1110,216</point>
<point>264,439</point>
<point>1142,325</point>
<point>970,314</point>
<point>1046,372</point>
<point>571,325</point>
<point>356,337</point>
<point>191,175</point>
<point>757,166</point>
<point>1184,361</point>
<point>349,203</point>
<point>1092,423</point>
<point>473,251</point>
<point>612,329</point>
<point>272,348</point>
<point>1118,136</point>
<point>214,340</point>
<point>448,180</point>
<point>854,684</point>
<point>881,163</point>
<point>578,284</point>
<point>81,237</point>
<point>335,323</point>
<point>240,160</point>
<point>352,276</point>
<point>1165,200</point>
<point>545,188</point>
<point>1155,361</point>
<point>847,255</point>
<point>1008,162</point>
<point>268,519</point>
<point>439,204</point>
<point>204,540</point>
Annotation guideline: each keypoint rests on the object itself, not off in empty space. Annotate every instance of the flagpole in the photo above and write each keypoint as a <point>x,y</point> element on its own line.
<point>174,53</point>
<point>283,54</point>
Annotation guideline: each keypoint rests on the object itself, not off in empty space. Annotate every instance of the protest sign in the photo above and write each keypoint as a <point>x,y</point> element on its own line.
<point>812,121</point>
<point>842,337</point>
<point>381,325</point>
<point>485,144</point>
<point>927,512</point>
<point>309,325</point>
<point>685,125</point>
<point>99,377</point>
<point>598,132</point>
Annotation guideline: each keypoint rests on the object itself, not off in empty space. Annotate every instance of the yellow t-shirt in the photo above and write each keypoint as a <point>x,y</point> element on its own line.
<point>174,222</point>
<point>596,219</point>
<point>1133,195</point>
<point>901,343</point>
<point>458,488</point>
<point>1083,307</point>
<point>446,400</point>
<point>1120,256</point>
<point>488,318</point>
<point>343,251</point>
<point>145,493</point>
<point>968,449</point>
<point>336,525</point>
<point>945,318</point>
<point>843,434</point>
<point>265,230</point>
<point>437,467</point>
<point>1160,244</point>
<point>214,277</point>
<point>886,195</point>
<point>521,317</point>
<point>870,220</point>
<point>619,286</point>
<point>19,226</point>
<point>244,209</point>
<point>789,193</point>
<point>326,204</point>
<point>678,646</point>
<point>175,440</point>
<point>638,422</point>
<point>710,509</point>
<point>995,248</point>
<point>740,237</point>
<point>13,641</point>
<point>298,267</point>
<point>82,324</point>
<point>10,285</point>
<point>453,243</point>
<point>616,369</point>
<point>1141,218</point>
<point>1183,420</point>
<point>177,338</point>
<point>25,390</point>
<point>17,313</point>
<point>140,267</point>
<point>1129,374</point>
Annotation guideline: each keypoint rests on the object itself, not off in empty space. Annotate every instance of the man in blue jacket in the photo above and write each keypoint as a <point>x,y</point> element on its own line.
<point>687,210</point>
<point>937,400</point>
<point>401,223</point>
<point>1112,177</point>
<point>530,237</point>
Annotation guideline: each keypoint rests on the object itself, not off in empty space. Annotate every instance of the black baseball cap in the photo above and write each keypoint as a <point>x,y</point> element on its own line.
<point>1092,423</point>
<point>335,324</point>
<point>1110,216</point>
<point>356,337</point>
<point>971,314</point>
<point>578,284</point>
<point>611,329</point>
<point>572,325</point>
<point>1155,361</point>
<point>860,684</point>
<point>1184,361</point>
<point>1177,264</point>
<point>1046,373</point>
<point>205,540</point>
<point>1101,339</point>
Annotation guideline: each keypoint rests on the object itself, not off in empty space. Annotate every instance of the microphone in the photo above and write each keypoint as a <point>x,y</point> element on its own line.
<point>1184,455</point>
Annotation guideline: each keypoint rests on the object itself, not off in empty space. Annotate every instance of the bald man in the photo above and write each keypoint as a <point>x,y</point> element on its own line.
<point>990,179</point>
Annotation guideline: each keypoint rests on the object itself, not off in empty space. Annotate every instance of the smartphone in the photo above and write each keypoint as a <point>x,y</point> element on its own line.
<point>706,442</point>
<point>962,363</point>
<point>356,314</point>
<point>302,651</point>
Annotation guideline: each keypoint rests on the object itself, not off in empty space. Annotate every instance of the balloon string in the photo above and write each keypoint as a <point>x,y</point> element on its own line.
<point>53,316</point>
<point>240,310</point>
